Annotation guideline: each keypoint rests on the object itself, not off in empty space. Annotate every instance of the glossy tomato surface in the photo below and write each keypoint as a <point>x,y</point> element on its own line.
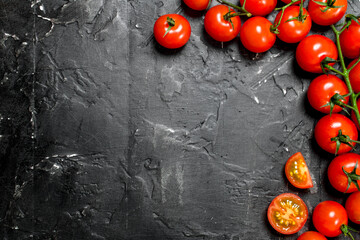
<point>289,1</point>
<point>328,216</point>
<point>312,50</point>
<point>177,36</point>
<point>198,5</point>
<point>352,207</point>
<point>350,40</point>
<point>330,16</point>
<point>287,213</point>
<point>256,36</point>
<point>292,30</point>
<point>337,177</point>
<point>311,235</point>
<point>353,116</point>
<point>297,172</point>
<point>322,89</point>
<point>218,27</point>
<point>259,7</point>
<point>354,76</point>
<point>328,127</point>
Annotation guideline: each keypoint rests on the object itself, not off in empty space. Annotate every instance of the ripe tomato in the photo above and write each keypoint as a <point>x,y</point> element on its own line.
<point>312,50</point>
<point>198,5</point>
<point>297,172</point>
<point>322,89</point>
<point>354,76</point>
<point>287,213</point>
<point>220,28</point>
<point>350,40</point>
<point>311,235</point>
<point>256,36</point>
<point>293,31</point>
<point>328,216</point>
<point>328,127</point>
<point>353,116</point>
<point>352,207</point>
<point>338,179</point>
<point>289,1</point>
<point>177,36</point>
<point>330,16</point>
<point>259,7</point>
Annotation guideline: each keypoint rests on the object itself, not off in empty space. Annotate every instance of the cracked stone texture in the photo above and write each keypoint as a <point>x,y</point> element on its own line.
<point>106,135</point>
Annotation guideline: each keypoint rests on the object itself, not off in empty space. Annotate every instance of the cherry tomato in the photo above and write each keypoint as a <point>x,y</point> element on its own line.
<point>289,1</point>
<point>328,127</point>
<point>297,172</point>
<point>311,235</point>
<point>287,213</point>
<point>354,76</point>
<point>353,116</point>
<point>177,36</point>
<point>350,40</point>
<point>328,216</point>
<point>218,26</point>
<point>259,7</point>
<point>198,5</point>
<point>328,17</point>
<point>338,179</point>
<point>312,50</point>
<point>352,207</point>
<point>293,31</point>
<point>322,89</point>
<point>256,36</point>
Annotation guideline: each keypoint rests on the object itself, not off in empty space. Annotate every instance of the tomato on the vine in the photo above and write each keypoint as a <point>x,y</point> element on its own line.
<point>353,116</point>
<point>322,89</point>
<point>350,40</point>
<point>287,213</point>
<point>256,36</point>
<point>259,7</point>
<point>312,50</point>
<point>354,76</point>
<point>297,172</point>
<point>291,28</point>
<point>327,12</point>
<point>336,133</point>
<point>220,25</point>
<point>289,1</point>
<point>336,172</point>
<point>311,235</point>
<point>172,31</point>
<point>352,207</point>
<point>198,5</point>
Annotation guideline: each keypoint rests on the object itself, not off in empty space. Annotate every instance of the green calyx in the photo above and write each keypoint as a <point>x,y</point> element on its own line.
<point>345,139</point>
<point>352,177</point>
<point>338,100</point>
<point>328,4</point>
<point>346,231</point>
<point>171,23</point>
<point>350,17</point>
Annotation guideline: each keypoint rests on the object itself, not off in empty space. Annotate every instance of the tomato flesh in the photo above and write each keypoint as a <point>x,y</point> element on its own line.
<point>297,172</point>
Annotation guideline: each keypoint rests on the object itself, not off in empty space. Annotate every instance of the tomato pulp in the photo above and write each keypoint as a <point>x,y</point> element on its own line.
<point>297,172</point>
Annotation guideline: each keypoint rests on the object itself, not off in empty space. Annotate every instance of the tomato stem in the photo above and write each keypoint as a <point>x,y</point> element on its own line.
<point>352,177</point>
<point>171,23</point>
<point>346,231</point>
<point>241,9</point>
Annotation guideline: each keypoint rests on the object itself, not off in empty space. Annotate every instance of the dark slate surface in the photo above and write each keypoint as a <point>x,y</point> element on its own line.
<point>106,135</point>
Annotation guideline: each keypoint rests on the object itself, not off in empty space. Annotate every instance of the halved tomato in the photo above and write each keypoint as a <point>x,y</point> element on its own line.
<point>287,213</point>
<point>297,172</point>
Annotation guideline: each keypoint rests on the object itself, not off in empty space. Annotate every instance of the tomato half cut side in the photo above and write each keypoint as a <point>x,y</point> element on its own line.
<point>287,213</point>
<point>297,172</point>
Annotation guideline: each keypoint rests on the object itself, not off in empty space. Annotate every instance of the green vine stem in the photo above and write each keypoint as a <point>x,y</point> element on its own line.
<point>241,9</point>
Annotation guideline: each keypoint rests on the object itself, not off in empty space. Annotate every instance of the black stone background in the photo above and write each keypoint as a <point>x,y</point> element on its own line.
<point>106,135</point>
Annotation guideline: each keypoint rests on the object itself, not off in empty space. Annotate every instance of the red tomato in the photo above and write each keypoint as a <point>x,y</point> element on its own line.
<point>328,216</point>
<point>312,50</point>
<point>256,36</point>
<point>328,127</point>
<point>293,31</point>
<point>322,89</point>
<point>198,5</point>
<point>353,116</point>
<point>178,35</point>
<point>297,172</point>
<point>289,1</point>
<point>350,40</point>
<point>354,76</point>
<point>218,27</point>
<point>259,7</point>
<point>352,207</point>
<point>330,16</point>
<point>311,235</point>
<point>337,177</point>
<point>287,213</point>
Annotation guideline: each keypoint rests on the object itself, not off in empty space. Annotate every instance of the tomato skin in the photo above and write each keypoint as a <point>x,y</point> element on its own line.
<point>329,126</point>
<point>353,116</point>
<point>322,88</point>
<point>328,216</point>
<point>337,177</point>
<point>354,76</point>
<point>289,1</point>
<point>198,5</point>
<point>217,27</point>
<point>297,172</point>
<point>177,37</point>
<point>350,40</point>
<point>329,17</point>
<point>311,235</point>
<point>259,7</point>
<point>352,207</point>
<point>256,36</point>
<point>293,31</point>
<point>312,50</point>
<point>279,206</point>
